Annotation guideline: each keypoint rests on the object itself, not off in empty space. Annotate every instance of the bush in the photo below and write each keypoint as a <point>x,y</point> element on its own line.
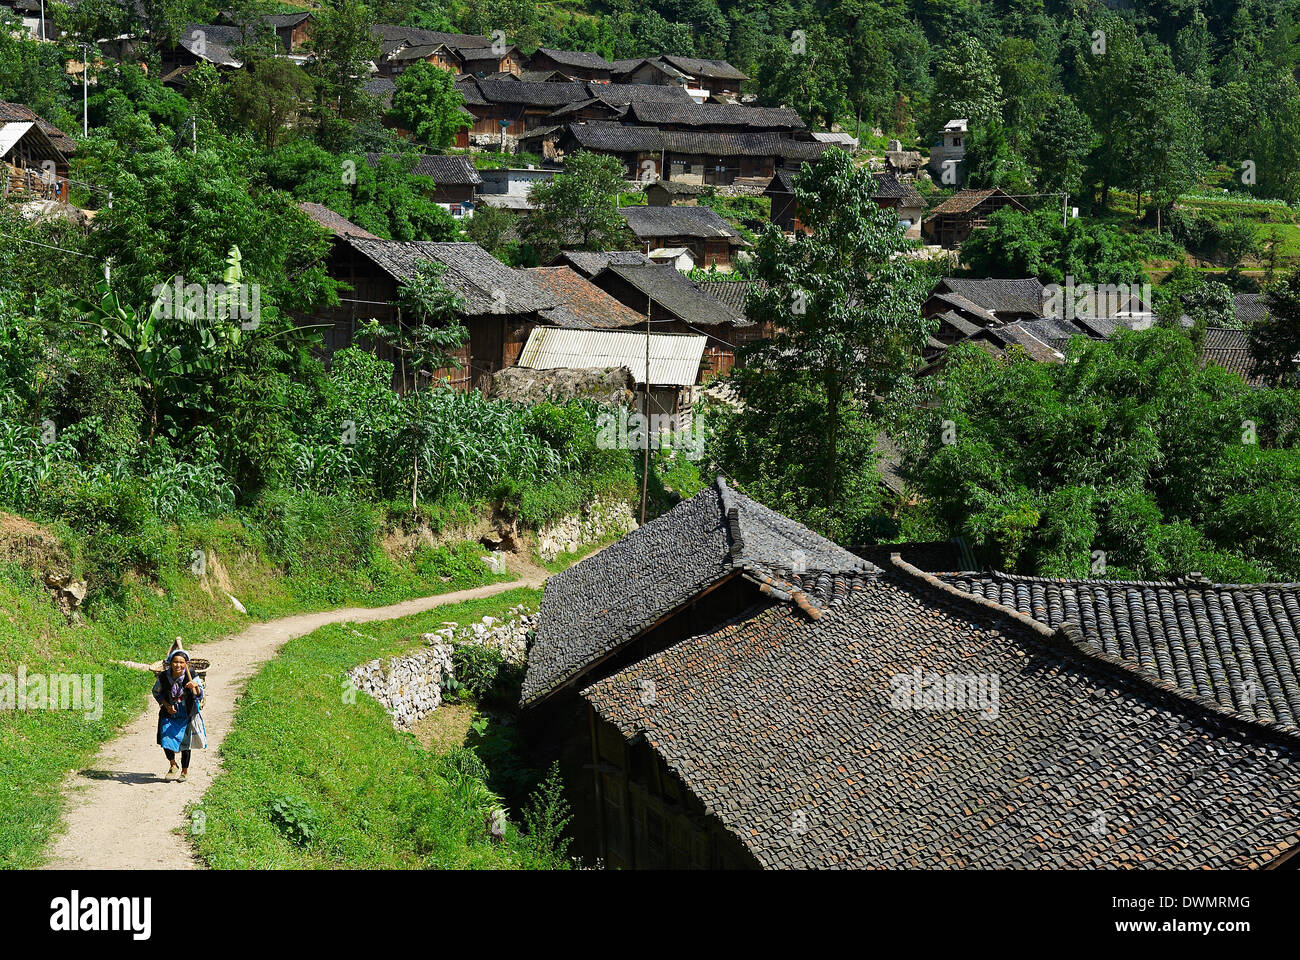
<point>294,818</point>
<point>476,667</point>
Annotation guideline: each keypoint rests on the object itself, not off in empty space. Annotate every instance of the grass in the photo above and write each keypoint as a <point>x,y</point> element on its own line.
<point>374,797</point>
<point>38,748</point>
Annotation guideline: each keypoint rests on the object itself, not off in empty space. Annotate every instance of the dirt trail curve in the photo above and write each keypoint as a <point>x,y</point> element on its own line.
<point>121,813</point>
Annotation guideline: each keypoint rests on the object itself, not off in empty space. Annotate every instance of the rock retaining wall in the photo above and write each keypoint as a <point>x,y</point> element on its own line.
<point>600,519</point>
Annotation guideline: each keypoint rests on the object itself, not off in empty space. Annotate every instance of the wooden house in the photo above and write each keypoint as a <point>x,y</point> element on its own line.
<point>573,65</point>
<point>953,220</point>
<point>31,166</point>
<point>709,238</point>
<point>769,703</point>
<point>703,78</point>
<point>454,177</point>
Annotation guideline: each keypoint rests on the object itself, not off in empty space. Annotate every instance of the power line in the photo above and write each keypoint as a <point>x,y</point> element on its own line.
<point>37,243</point>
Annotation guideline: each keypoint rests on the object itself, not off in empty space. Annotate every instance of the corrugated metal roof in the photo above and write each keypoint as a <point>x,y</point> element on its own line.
<point>11,133</point>
<point>674,358</point>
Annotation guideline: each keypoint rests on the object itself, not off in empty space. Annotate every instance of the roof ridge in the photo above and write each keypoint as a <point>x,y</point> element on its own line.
<point>1189,581</point>
<point>1069,638</point>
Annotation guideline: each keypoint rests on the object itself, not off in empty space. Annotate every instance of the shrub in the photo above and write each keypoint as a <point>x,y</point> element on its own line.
<point>476,667</point>
<point>294,818</point>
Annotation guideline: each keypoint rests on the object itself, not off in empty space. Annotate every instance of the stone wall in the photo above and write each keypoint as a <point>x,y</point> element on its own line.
<point>410,687</point>
<point>600,519</point>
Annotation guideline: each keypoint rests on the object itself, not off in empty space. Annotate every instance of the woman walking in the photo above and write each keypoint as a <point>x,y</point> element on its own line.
<point>180,724</point>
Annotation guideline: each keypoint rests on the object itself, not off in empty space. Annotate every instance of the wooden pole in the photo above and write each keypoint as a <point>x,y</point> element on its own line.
<point>645,461</point>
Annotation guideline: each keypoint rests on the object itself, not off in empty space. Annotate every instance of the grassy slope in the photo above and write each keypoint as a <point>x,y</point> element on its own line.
<point>380,800</point>
<point>39,748</point>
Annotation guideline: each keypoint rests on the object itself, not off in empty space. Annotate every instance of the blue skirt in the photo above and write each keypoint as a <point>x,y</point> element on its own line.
<point>173,731</point>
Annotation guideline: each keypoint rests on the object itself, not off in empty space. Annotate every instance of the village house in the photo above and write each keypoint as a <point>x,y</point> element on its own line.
<point>965,306</point>
<point>675,361</point>
<point>701,78</point>
<point>953,220</point>
<point>709,238</point>
<point>292,30</point>
<point>948,153</point>
<point>675,304</point>
<point>33,156</point>
<point>481,61</point>
<point>454,177</point>
<point>673,193</point>
<point>395,61</point>
<point>891,194</point>
<point>724,688</point>
<point>499,305</point>
<point>572,65</point>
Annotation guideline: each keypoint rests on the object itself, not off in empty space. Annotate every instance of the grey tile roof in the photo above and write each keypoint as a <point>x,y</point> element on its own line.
<point>333,222</point>
<point>445,170</point>
<point>211,42</point>
<point>381,87</point>
<point>595,607</point>
<point>486,285</point>
<point>696,67</point>
<point>1249,307</point>
<point>742,143</point>
<point>1234,645</point>
<point>718,114</point>
<point>796,736</point>
<point>625,93</point>
<point>700,222</point>
<point>615,137</point>
<point>392,31</point>
<point>576,58</point>
<point>999,296</point>
<point>1230,349</point>
<point>731,292</point>
<point>522,92</point>
<point>678,294</point>
<point>591,262</point>
<point>888,185</point>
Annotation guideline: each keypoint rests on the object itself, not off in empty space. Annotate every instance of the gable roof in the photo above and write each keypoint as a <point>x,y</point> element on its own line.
<point>525,92</point>
<point>18,113</point>
<point>717,114</point>
<point>731,292</point>
<point>889,186</point>
<point>392,31</point>
<point>964,201</point>
<point>676,293</point>
<point>591,262</point>
<point>447,171</point>
<point>774,719</point>
<point>1230,349</point>
<point>212,42</point>
<point>997,296</point>
<point>597,606</point>
<point>696,67</point>
<point>486,285</point>
<point>576,58</point>
<point>336,224</point>
<point>581,302</point>
<point>701,222</point>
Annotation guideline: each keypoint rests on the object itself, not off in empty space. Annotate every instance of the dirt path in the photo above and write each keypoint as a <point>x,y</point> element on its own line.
<point>122,814</point>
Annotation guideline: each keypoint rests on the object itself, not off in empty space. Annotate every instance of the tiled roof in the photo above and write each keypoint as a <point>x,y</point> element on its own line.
<point>392,31</point>
<point>1236,646</point>
<point>1023,336</point>
<point>591,262</point>
<point>1230,349</point>
<point>485,284</point>
<point>678,188</point>
<point>678,294</point>
<point>731,292</point>
<point>741,144</point>
<point>997,295</point>
<point>718,114</point>
<point>615,137</point>
<point>799,737</point>
<point>576,58</point>
<point>381,87</point>
<point>595,607</point>
<point>964,201</point>
<point>714,69</point>
<point>625,93</point>
<point>624,67</point>
<point>17,113</point>
<point>653,222</point>
<point>211,42</point>
<point>888,185</point>
<point>445,171</point>
<point>1249,307</point>
<point>526,93</point>
<point>334,223</point>
<point>581,302</point>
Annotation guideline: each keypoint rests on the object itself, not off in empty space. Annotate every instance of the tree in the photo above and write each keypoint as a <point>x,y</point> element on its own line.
<point>1060,146</point>
<point>345,48</point>
<point>965,86</point>
<point>268,96</point>
<point>578,209</point>
<point>845,307</point>
<point>1275,340</point>
<point>808,73</point>
<point>1104,63</point>
<point>489,227</point>
<point>427,103</point>
<point>1038,244</point>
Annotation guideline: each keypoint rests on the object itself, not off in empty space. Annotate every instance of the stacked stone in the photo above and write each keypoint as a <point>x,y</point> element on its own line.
<point>409,687</point>
<point>599,520</point>
<point>508,635</point>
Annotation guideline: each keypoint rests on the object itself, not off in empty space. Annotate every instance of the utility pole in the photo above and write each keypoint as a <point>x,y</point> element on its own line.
<point>85,86</point>
<point>645,460</point>
<point>194,135</point>
<point>43,20</point>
